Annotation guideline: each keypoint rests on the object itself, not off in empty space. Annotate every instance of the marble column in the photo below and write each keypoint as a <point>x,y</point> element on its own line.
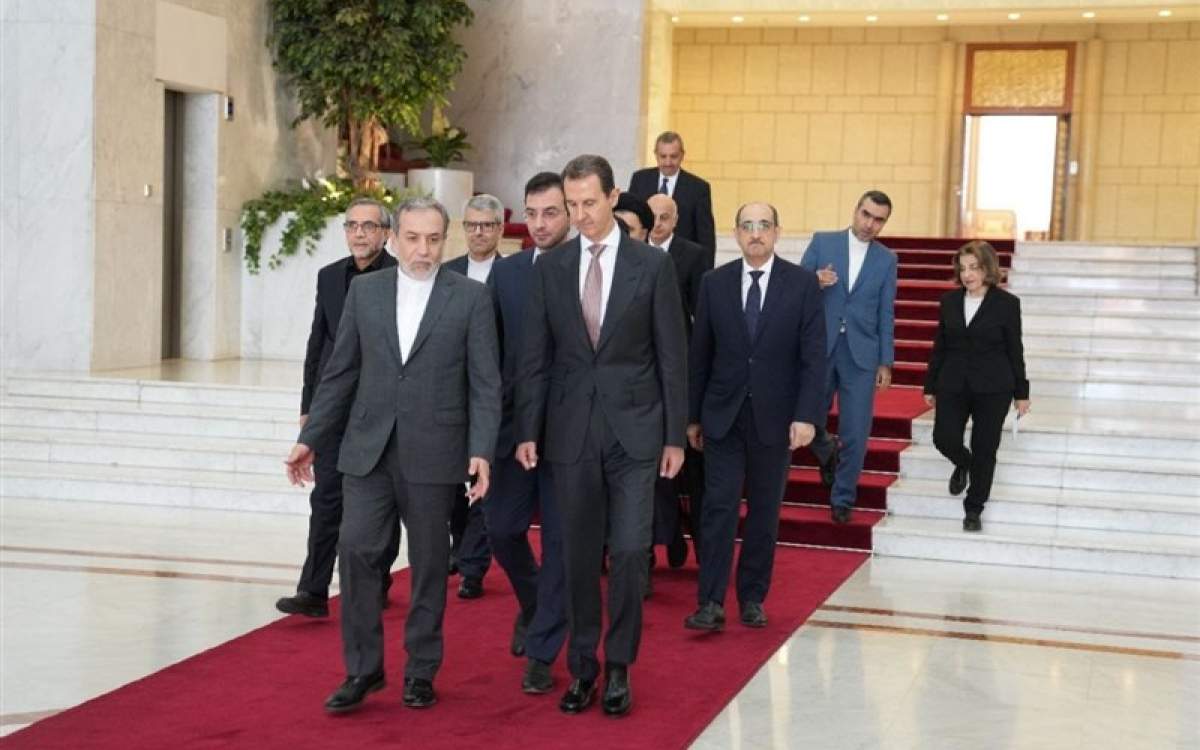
<point>547,80</point>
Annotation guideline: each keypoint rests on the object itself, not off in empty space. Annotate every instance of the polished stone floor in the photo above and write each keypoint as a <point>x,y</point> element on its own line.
<point>906,654</point>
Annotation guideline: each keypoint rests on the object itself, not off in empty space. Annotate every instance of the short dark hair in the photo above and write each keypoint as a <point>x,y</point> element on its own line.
<point>988,262</point>
<point>420,203</point>
<point>635,205</point>
<point>669,136</point>
<point>878,197</point>
<point>586,165</point>
<point>543,181</point>
<point>774,213</point>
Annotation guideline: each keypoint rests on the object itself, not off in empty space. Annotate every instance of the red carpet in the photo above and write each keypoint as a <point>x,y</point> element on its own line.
<point>265,689</point>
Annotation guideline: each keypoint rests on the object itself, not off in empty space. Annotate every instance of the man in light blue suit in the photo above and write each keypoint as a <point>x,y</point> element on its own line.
<point>858,283</point>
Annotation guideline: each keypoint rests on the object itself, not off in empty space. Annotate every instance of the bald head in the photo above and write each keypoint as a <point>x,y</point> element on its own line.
<point>666,216</point>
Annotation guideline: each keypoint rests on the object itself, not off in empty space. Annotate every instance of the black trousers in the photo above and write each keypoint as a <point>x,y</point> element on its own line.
<point>324,520</point>
<point>469,537</point>
<point>373,504</point>
<point>604,489</point>
<point>735,461</point>
<point>986,412</point>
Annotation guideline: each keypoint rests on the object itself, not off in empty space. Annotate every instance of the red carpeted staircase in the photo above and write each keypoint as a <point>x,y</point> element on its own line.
<point>925,274</point>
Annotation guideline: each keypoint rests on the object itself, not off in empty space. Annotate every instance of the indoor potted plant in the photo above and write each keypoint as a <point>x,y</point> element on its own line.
<point>444,146</point>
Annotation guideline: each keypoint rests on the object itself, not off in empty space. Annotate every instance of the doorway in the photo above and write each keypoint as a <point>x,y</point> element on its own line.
<point>1010,166</point>
<point>172,222</point>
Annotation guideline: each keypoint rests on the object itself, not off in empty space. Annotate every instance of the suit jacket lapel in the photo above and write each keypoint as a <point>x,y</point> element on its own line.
<point>389,316</point>
<point>959,313</point>
<point>626,273</point>
<point>443,288</point>
<point>841,262</point>
<point>873,251</point>
<point>983,306</point>
<point>739,311</point>
<point>775,286</point>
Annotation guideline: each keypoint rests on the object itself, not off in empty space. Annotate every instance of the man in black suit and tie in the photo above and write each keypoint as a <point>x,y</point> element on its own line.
<point>470,552</point>
<point>541,626</point>
<point>603,387</point>
<point>757,372</point>
<point>366,224</point>
<point>691,263</point>
<point>692,195</point>
<point>415,377</point>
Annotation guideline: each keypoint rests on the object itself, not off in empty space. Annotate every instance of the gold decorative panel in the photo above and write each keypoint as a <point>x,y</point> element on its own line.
<point>1019,79</point>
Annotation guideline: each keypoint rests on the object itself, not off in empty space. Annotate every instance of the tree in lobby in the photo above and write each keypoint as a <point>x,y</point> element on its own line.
<point>363,65</point>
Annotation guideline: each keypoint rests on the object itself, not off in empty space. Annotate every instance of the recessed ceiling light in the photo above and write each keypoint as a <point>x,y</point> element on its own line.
<point>674,19</point>
<point>1014,16</point>
<point>1089,14</point>
<point>872,19</point>
<point>943,17</point>
<point>738,19</point>
<point>1165,13</point>
<point>803,19</point>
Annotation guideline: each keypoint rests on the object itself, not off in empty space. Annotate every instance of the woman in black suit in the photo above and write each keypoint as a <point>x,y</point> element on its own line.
<point>976,369</point>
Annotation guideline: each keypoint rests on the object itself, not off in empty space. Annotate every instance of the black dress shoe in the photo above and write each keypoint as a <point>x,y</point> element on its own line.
<point>840,514</point>
<point>351,693</point>
<point>618,695</point>
<point>303,603</point>
<point>516,647</point>
<point>580,694</point>
<point>829,468</point>
<point>452,569</point>
<point>418,693</point>
<point>710,617</point>
<point>972,522</point>
<point>753,615</point>
<point>960,478</point>
<point>537,679</point>
<point>677,550</point>
<point>470,588</point>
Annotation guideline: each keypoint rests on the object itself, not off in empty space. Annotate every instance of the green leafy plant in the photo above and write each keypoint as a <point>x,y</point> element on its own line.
<point>361,66</point>
<point>310,204</point>
<point>445,148</point>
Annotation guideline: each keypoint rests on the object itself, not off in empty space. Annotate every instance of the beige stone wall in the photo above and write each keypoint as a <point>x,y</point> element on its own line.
<point>809,118</point>
<point>1148,150</point>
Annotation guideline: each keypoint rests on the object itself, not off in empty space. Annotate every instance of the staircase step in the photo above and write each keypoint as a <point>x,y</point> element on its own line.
<point>929,272</point>
<point>804,487</point>
<point>1046,506</point>
<point>909,373</point>
<point>1162,476</point>
<point>83,387</point>
<point>943,258</point>
<point>1022,281</point>
<point>882,455</point>
<point>914,289</point>
<point>1050,547</point>
<point>1113,387</point>
<point>813,526</point>
<point>1059,268</point>
<point>1145,255</point>
<point>907,309</point>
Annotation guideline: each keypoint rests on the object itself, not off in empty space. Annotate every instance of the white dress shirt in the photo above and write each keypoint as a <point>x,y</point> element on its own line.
<point>670,183</point>
<point>858,254</point>
<point>762,280</point>
<point>666,244</point>
<point>412,295</point>
<point>478,270</point>
<point>608,263</point>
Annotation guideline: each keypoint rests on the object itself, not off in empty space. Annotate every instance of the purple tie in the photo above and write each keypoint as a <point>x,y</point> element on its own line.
<point>593,290</point>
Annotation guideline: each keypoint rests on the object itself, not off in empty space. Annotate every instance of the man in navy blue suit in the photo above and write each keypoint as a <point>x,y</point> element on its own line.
<point>756,393</point>
<point>542,620</point>
<point>858,283</point>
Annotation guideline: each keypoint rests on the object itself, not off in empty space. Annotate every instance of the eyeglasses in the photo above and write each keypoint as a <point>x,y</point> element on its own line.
<point>761,226</point>
<point>479,226</point>
<point>352,227</point>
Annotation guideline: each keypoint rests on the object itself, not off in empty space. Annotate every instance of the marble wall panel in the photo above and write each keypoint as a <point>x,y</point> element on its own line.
<point>128,285</point>
<point>547,81</point>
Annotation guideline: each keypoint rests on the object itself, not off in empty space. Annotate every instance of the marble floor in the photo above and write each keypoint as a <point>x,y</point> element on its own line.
<point>906,654</point>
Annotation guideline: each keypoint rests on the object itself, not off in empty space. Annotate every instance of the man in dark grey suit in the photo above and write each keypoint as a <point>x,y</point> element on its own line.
<point>603,386</point>
<point>692,194</point>
<point>414,376</point>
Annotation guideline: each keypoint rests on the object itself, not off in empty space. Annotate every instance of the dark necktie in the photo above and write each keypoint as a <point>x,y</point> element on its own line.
<point>753,303</point>
<point>664,189</point>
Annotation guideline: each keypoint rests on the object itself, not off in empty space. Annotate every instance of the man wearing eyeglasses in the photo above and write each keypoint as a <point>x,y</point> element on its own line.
<point>756,374</point>
<point>366,224</point>
<point>470,551</point>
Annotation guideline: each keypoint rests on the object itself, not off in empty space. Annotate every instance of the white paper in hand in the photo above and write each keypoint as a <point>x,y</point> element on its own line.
<point>1016,425</point>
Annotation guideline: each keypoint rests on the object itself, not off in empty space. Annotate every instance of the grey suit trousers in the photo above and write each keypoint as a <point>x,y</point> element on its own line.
<point>372,505</point>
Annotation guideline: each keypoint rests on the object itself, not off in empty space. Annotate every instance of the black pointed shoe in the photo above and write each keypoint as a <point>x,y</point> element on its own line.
<point>516,646</point>
<point>418,692</point>
<point>303,603</point>
<point>840,514</point>
<point>350,695</point>
<point>470,588</point>
<point>537,679</point>
<point>580,694</point>
<point>972,522</point>
<point>753,615</point>
<point>618,695</point>
<point>960,478</point>
<point>710,617</point>
<point>829,468</point>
